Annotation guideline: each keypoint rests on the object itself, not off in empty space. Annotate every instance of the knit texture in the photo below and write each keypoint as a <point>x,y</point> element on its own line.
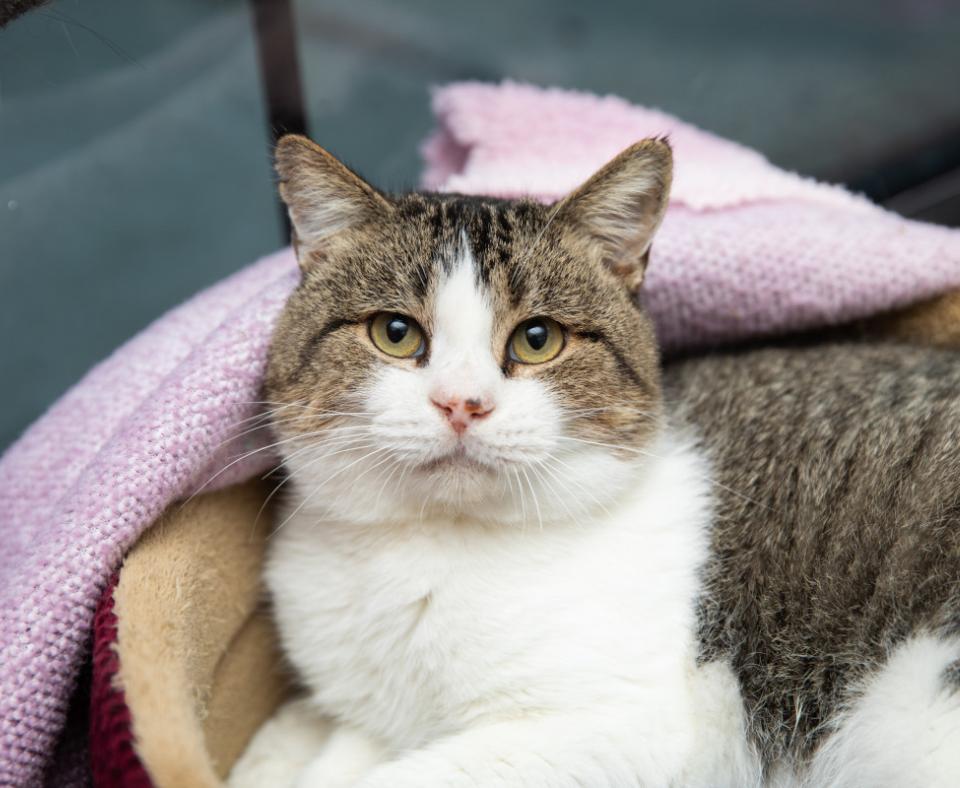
<point>113,760</point>
<point>746,249</point>
<point>82,483</point>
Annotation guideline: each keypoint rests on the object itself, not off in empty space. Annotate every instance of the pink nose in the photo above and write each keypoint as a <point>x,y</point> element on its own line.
<point>461,412</point>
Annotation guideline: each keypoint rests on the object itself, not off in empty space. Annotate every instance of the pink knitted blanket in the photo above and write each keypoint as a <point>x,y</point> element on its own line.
<point>746,249</point>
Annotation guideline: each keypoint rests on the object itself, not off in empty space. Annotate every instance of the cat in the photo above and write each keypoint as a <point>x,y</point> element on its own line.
<point>515,551</point>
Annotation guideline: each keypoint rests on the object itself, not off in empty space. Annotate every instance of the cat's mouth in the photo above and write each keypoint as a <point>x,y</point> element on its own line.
<point>458,459</point>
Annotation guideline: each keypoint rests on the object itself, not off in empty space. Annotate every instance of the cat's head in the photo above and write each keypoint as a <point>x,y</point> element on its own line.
<point>469,355</point>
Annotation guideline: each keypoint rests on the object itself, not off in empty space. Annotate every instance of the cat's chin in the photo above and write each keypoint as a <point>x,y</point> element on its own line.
<point>456,463</point>
<point>457,479</point>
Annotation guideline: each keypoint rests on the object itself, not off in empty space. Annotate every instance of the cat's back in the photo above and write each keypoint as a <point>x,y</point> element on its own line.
<point>864,432</point>
<point>837,535</point>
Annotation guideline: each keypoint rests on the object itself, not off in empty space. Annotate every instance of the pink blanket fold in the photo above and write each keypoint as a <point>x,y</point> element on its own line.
<point>746,249</point>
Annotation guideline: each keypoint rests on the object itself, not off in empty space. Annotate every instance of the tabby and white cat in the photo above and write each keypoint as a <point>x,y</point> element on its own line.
<point>505,561</point>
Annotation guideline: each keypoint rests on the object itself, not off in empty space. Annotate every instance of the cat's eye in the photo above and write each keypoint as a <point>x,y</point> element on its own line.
<point>397,335</point>
<point>536,340</point>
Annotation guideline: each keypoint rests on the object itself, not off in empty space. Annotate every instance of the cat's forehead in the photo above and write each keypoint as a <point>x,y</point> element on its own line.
<point>402,263</point>
<point>494,230</point>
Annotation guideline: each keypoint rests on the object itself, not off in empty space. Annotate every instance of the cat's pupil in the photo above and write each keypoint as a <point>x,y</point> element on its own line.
<point>397,329</point>
<point>536,335</point>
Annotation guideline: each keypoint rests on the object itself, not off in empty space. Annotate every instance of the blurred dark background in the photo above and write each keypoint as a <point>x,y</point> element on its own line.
<point>135,136</point>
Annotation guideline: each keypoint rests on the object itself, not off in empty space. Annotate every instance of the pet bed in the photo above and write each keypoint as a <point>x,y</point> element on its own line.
<point>184,662</point>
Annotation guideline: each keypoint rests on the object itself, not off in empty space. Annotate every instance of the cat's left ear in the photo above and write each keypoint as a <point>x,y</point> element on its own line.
<point>325,198</point>
<point>612,217</point>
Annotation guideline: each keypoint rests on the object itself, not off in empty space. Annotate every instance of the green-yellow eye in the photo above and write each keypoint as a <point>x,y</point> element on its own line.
<point>536,340</point>
<point>397,335</point>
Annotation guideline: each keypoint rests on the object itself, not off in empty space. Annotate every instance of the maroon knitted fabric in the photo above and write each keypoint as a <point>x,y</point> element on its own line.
<point>114,762</point>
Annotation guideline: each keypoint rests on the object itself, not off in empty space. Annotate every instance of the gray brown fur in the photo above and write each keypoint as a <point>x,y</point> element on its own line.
<point>533,260</point>
<point>838,531</point>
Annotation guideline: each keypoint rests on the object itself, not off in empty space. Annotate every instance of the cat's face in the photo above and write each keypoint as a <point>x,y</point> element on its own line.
<point>462,355</point>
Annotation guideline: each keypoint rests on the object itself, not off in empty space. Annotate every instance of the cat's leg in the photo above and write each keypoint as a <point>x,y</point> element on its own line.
<point>610,749</point>
<point>347,756</point>
<point>723,756</point>
<point>903,730</point>
<point>282,748</point>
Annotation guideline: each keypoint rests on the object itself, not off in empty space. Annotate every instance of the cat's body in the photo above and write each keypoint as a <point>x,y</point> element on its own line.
<point>504,562</point>
<point>837,536</point>
<point>449,628</point>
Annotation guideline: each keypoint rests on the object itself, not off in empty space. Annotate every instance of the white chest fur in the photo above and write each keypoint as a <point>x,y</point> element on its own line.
<point>415,630</point>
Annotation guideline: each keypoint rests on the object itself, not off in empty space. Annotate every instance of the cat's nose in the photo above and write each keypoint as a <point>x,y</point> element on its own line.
<point>462,412</point>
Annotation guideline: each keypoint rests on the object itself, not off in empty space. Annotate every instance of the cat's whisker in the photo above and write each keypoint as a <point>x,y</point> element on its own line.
<point>310,411</point>
<point>324,444</point>
<point>651,455</point>
<point>605,408</point>
<point>423,507</point>
<point>376,465</point>
<point>262,417</point>
<point>615,446</point>
<point>269,419</point>
<point>353,447</point>
<point>251,453</point>
<point>546,466</point>
<point>335,433</point>
<point>291,474</point>
<point>523,501</point>
<point>322,484</point>
<point>363,473</point>
<point>403,474</point>
<point>506,476</point>
<point>533,494</point>
<point>311,408</point>
<point>270,423</point>
<point>266,502</point>
<point>560,496</point>
<point>328,437</point>
<point>572,479</point>
<point>260,414</point>
<point>389,475</point>
<point>239,459</point>
<point>553,491</point>
<point>330,434</point>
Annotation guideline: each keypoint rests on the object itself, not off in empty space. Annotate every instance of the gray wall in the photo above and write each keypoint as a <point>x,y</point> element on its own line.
<point>134,154</point>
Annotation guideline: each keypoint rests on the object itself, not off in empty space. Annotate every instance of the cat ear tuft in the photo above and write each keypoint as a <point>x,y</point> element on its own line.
<point>614,215</point>
<point>323,196</point>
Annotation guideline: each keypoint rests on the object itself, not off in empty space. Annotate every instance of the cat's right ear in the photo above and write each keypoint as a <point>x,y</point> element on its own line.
<point>324,197</point>
<point>612,217</point>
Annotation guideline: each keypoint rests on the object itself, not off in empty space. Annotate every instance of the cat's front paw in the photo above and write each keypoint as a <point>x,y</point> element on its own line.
<point>348,756</point>
<point>420,770</point>
<point>327,775</point>
<point>321,779</point>
<point>282,748</point>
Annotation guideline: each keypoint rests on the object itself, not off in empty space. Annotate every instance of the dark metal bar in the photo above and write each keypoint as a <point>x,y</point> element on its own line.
<point>275,29</point>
